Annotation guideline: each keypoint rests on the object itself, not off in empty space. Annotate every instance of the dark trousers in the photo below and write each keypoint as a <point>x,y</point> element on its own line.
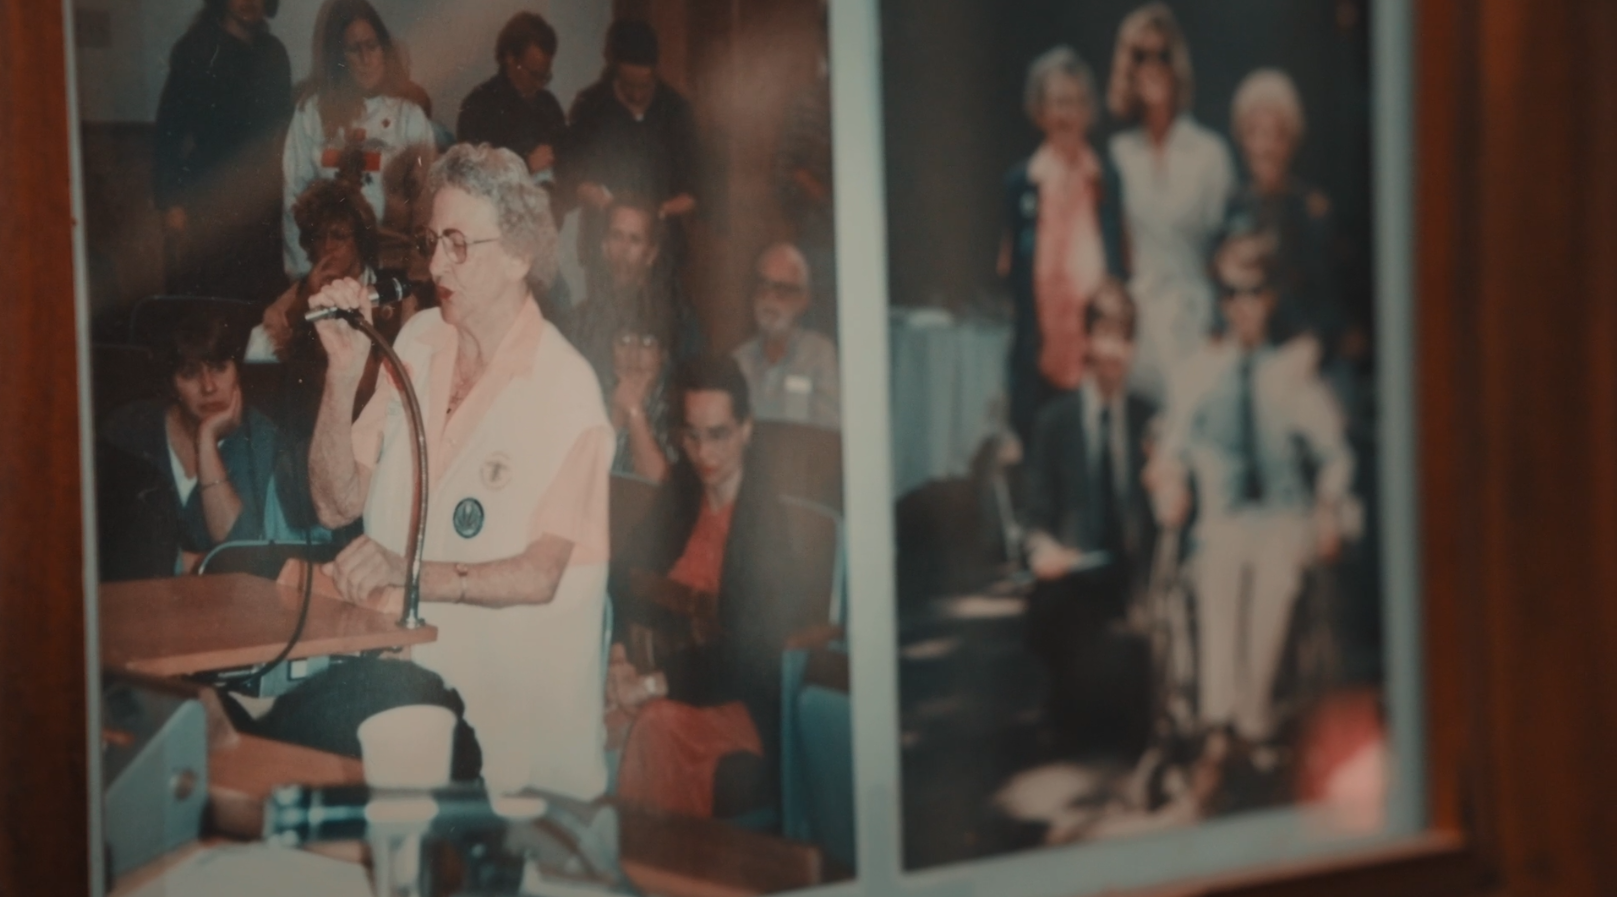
<point>1099,702</point>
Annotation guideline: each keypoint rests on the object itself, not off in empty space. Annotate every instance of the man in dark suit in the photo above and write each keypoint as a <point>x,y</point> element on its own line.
<point>1091,539</point>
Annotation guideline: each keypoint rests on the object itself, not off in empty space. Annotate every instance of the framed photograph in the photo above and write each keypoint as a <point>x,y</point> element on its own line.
<point>1423,735</point>
<point>1151,445</point>
<point>465,416</point>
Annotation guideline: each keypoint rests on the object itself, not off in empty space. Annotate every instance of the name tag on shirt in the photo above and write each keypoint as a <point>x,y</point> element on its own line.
<point>797,384</point>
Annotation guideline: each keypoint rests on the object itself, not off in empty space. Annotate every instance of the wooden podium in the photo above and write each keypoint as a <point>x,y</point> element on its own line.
<point>196,624</point>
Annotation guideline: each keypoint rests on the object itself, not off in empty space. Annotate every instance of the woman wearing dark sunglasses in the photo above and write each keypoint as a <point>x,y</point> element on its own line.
<point>1178,178</point>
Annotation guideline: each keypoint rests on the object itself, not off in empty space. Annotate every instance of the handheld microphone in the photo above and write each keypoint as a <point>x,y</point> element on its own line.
<point>392,285</point>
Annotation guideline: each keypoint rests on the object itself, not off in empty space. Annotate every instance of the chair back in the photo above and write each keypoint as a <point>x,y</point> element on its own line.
<point>815,534</point>
<point>629,499</point>
<point>120,374</point>
<point>817,752</point>
<point>805,460</point>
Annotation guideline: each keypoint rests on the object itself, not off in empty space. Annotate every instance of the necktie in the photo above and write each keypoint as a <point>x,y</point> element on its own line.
<point>1251,473</point>
<point>1111,527</point>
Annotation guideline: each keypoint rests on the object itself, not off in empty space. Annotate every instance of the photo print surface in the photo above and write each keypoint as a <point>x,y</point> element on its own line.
<point>1135,421</point>
<point>599,238</point>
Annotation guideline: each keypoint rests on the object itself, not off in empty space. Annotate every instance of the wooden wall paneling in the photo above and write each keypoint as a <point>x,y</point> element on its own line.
<point>1542,548</point>
<point>43,796</point>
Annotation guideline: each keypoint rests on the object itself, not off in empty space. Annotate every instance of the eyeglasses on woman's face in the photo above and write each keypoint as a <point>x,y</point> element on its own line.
<point>455,242</point>
<point>630,340</point>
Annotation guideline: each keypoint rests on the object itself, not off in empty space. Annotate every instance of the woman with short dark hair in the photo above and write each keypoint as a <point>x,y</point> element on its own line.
<point>219,452</point>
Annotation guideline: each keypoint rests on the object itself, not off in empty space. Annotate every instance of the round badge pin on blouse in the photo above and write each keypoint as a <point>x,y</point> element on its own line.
<point>468,518</point>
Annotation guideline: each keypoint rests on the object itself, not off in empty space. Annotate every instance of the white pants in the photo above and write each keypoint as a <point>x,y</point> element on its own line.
<point>1248,574</point>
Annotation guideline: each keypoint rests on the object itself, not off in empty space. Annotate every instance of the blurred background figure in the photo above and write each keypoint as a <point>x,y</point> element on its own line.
<point>791,370</point>
<point>220,121</point>
<point>636,391</point>
<point>630,134</point>
<point>803,181</point>
<point>1258,439</point>
<point>513,110</point>
<point>352,122</point>
<point>1266,118</point>
<point>1178,178</point>
<point>1091,538</point>
<point>1063,215</point>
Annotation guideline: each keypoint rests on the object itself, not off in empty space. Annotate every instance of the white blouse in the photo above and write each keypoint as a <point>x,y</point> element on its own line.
<point>387,127</point>
<point>1174,204</point>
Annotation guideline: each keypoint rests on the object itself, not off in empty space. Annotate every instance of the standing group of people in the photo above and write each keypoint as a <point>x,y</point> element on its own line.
<point>535,392</point>
<point>1175,331</point>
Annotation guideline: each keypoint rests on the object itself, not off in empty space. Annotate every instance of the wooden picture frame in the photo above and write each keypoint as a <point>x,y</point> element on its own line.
<point>1517,386</point>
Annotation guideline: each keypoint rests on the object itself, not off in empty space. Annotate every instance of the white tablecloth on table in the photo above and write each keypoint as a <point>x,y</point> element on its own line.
<point>948,392</point>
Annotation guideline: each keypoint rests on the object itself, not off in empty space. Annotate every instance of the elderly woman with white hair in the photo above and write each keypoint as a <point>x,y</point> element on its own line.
<point>1266,118</point>
<point>519,450</point>
<point>1064,236</point>
<point>1178,178</point>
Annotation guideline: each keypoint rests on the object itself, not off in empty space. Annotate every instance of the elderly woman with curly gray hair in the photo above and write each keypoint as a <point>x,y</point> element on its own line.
<point>519,450</point>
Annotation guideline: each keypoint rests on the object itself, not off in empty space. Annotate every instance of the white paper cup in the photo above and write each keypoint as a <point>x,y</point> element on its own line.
<point>408,747</point>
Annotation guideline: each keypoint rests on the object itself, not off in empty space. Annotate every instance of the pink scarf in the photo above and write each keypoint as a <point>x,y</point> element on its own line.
<point>1069,259</point>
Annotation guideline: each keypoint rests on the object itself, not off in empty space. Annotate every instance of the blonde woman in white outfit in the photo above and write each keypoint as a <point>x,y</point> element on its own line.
<point>350,125</point>
<point>519,454</point>
<point>1178,178</point>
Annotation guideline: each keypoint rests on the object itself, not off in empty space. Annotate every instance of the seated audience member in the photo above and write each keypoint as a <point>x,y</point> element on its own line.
<point>219,453</point>
<point>1084,492</point>
<point>1266,118</point>
<point>791,371</point>
<point>1252,429</point>
<point>513,110</point>
<point>637,392</point>
<point>337,230</point>
<point>626,277</point>
<point>1088,511</point>
<point>515,559</point>
<point>706,708</point>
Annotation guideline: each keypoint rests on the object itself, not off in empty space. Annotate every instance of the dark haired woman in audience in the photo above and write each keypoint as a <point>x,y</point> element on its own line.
<point>636,392</point>
<point>220,454</point>
<point>353,121</point>
<point>337,232</point>
<point>706,715</point>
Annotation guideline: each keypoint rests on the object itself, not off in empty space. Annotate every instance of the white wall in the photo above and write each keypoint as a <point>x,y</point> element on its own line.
<point>450,44</point>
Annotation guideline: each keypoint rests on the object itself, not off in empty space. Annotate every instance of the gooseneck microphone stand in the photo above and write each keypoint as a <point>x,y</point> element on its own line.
<point>418,513</point>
